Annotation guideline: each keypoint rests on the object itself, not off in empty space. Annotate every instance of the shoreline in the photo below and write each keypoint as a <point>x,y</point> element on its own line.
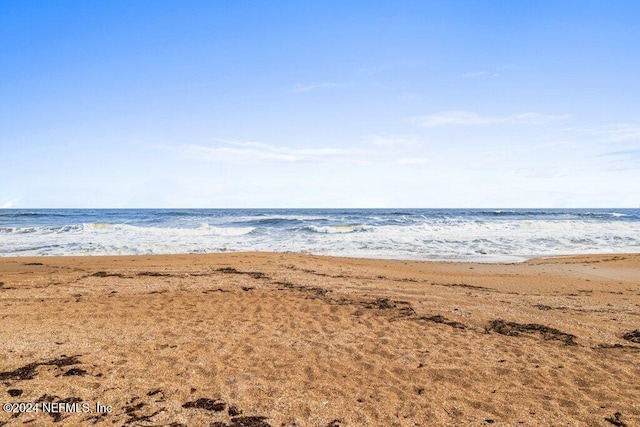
<point>310,340</point>
<point>524,258</point>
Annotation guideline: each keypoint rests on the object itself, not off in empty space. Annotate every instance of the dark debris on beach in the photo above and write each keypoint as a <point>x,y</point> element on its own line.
<point>633,336</point>
<point>29,371</point>
<point>514,329</point>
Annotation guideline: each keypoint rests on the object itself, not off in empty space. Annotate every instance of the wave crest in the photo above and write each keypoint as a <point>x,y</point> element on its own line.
<point>339,229</point>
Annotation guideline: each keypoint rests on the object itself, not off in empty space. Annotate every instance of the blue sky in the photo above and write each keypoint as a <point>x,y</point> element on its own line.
<point>319,104</point>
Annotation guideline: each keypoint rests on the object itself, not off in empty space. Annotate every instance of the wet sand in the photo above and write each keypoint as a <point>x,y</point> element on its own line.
<point>255,339</point>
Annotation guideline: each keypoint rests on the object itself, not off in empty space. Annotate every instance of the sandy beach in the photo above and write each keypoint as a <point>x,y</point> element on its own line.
<point>281,339</point>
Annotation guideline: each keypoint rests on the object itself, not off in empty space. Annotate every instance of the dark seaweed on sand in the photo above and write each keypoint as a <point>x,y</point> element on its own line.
<point>633,336</point>
<point>28,372</point>
<point>253,274</point>
<point>402,307</point>
<point>255,421</point>
<point>615,420</point>
<point>515,329</point>
<point>153,274</point>
<point>106,274</point>
<point>443,320</point>
<point>234,411</point>
<point>75,372</point>
<point>206,404</point>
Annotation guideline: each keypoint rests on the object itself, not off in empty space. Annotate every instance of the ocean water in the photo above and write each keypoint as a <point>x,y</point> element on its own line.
<point>420,234</point>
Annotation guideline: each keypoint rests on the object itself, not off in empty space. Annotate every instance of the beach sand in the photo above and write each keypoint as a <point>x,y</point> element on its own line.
<point>257,339</point>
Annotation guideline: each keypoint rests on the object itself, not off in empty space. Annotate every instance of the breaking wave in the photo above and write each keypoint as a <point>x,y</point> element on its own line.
<point>477,235</point>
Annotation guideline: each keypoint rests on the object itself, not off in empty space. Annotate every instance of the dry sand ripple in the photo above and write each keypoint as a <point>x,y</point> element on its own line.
<point>258,339</point>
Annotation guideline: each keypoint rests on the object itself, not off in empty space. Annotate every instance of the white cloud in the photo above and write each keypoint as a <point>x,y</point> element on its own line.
<point>226,153</point>
<point>9,204</point>
<point>623,160</point>
<point>467,118</point>
<point>626,153</point>
<point>314,86</point>
<point>622,133</point>
<point>249,150</point>
<point>279,149</point>
<point>389,150</point>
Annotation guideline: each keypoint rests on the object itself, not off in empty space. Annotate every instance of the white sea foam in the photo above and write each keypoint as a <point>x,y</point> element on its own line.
<point>203,230</point>
<point>408,236</point>
<point>227,231</point>
<point>340,229</point>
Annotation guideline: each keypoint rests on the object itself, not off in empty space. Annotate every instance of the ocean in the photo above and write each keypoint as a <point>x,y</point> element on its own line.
<point>485,235</point>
